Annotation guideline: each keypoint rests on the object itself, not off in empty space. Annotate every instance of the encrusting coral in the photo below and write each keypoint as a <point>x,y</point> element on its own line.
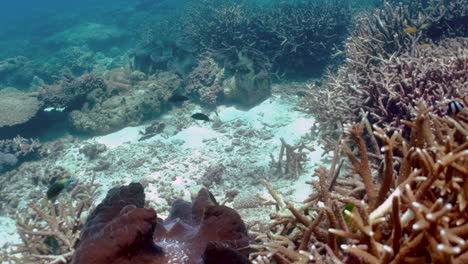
<point>411,206</point>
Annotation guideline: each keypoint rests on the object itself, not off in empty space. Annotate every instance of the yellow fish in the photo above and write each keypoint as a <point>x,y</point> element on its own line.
<point>425,26</point>
<point>411,30</point>
<point>424,46</point>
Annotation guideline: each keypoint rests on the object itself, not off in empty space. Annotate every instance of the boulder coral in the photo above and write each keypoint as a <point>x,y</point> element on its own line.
<point>132,101</point>
<point>70,92</point>
<point>121,230</point>
<point>231,76</point>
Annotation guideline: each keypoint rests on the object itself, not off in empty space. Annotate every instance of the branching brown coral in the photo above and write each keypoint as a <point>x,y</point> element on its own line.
<point>291,159</point>
<point>297,37</point>
<point>391,59</point>
<point>22,148</point>
<point>418,213</point>
<point>389,91</point>
<point>50,231</point>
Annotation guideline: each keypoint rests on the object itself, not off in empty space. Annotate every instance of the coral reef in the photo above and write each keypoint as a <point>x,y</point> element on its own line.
<point>410,205</point>
<point>17,107</point>
<point>163,56</point>
<point>21,73</point>
<point>96,36</point>
<point>92,151</point>
<point>298,36</point>
<point>120,230</point>
<point>205,81</point>
<point>131,102</point>
<point>71,93</point>
<point>50,231</point>
<point>392,59</point>
<point>231,76</point>
<point>162,46</point>
<point>76,59</point>
<point>22,148</point>
<point>7,160</point>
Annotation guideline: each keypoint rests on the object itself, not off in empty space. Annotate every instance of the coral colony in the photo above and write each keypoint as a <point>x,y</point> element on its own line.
<point>189,133</point>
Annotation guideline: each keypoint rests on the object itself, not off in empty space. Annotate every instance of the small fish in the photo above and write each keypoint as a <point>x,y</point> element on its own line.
<point>56,188</point>
<point>177,98</point>
<point>52,243</point>
<point>425,26</point>
<point>160,128</point>
<point>410,30</point>
<point>349,208</point>
<point>200,116</point>
<point>453,108</point>
<point>424,46</point>
<point>301,93</point>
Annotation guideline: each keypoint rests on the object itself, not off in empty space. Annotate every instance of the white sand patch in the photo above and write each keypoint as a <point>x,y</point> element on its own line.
<point>123,136</point>
<point>293,131</point>
<point>194,136</point>
<point>8,232</point>
<point>271,113</point>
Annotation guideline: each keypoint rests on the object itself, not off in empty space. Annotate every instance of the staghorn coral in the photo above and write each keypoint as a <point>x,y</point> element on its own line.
<point>385,66</point>
<point>22,148</point>
<point>50,231</point>
<point>120,230</point>
<point>298,37</point>
<point>291,159</point>
<point>410,207</point>
<point>388,91</point>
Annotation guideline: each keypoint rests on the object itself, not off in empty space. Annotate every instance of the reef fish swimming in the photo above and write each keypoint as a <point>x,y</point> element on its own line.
<point>410,30</point>
<point>177,98</point>
<point>56,188</point>
<point>453,108</point>
<point>200,116</point>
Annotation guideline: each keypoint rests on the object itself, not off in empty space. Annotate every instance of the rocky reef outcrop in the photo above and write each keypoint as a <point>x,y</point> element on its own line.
<point>129,99</point>
<point>239,77</point>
